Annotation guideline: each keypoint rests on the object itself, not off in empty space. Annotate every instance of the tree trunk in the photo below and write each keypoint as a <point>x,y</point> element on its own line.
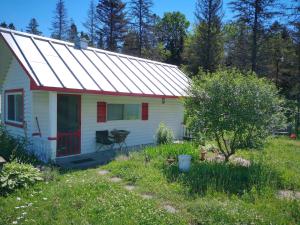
<point>254,37</point>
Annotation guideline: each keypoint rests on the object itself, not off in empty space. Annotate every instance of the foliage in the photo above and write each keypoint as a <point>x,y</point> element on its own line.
<point>32,27</point>
<point>91,24</point>
<point>204,48</point>
<point>113,23</point>
<point>73,33</point>
<point>236,110</point>
<point>171,150</point>
<point>16,175</point>
<point>13,148</point>
<point>60,25</point>
<point>85,196</point>
<point>172,31</point>
<point>164,135</point>
<point>140,12</point>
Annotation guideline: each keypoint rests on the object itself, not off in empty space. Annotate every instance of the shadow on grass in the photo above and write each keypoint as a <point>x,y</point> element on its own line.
<point>223,177</point>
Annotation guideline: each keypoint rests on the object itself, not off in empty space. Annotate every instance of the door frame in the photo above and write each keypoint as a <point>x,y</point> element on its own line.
<point>79,129</point>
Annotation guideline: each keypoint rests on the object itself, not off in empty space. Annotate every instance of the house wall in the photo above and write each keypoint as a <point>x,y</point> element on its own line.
<point>141,132</point>
<point>17,79</point>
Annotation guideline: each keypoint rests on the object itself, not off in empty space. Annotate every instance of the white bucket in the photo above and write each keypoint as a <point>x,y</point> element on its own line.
<point>184,162</point>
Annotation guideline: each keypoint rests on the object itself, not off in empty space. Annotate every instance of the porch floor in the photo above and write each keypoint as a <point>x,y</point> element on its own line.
<point>88,160</point>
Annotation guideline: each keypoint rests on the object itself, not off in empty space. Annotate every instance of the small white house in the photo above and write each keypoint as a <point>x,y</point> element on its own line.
<point>56,93</point>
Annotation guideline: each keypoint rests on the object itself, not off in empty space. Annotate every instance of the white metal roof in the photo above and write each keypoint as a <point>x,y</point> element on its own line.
<point>57,64</point>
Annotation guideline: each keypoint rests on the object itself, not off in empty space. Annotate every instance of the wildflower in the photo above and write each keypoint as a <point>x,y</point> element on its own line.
<point>15,222</point>
<point>45,199</point>
<point>18,199</point>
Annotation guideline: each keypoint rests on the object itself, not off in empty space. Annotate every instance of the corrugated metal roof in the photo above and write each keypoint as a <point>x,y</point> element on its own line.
<point>57,64</point>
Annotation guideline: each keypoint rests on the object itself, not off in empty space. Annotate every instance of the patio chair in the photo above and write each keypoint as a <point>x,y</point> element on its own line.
<point>120,137</point>
<point>104,140</point>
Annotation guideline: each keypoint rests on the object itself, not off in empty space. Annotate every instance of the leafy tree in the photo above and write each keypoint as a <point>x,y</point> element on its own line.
<point>172,31</point>
<point>32,27</point>
<point>140,11</point>
<point>73,33</point>
<point>112,16</point>
<point>204,48</point>
<point>91,24</point>
<point>236,110</point>
<point>60,25</point>
<point>255,13</point>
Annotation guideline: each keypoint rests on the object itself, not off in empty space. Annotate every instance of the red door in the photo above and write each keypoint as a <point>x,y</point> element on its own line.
<point>68,125</point>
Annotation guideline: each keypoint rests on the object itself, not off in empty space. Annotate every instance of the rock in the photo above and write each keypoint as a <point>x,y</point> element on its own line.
<point>147,196</point>
<point>103,172</point>
<point>287,194</point>
<point>129,187</point>
<point>115,179</point>
<point>170,209</point>
<point>240,161</point>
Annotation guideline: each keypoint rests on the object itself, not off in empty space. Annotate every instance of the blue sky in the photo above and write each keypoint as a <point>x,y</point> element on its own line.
<point>20,11</point>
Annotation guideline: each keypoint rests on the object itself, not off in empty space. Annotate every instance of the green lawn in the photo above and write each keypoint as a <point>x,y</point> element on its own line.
<point>209,194</point>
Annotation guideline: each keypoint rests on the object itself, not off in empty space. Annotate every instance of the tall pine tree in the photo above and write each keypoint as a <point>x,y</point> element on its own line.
<point>91,24</point>
<point>60,25</point>
<point>255,13</point>
<point>112,17</point>
<point>205,47</point>
<point>32,27</point>
<point>141,14</point>
<point>73,33</point>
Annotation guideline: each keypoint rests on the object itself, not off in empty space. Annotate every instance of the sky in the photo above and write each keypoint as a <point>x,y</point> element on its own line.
<point>21,11</point>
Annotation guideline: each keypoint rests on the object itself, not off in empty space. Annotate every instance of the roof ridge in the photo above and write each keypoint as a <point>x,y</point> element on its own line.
<point>89,48</point>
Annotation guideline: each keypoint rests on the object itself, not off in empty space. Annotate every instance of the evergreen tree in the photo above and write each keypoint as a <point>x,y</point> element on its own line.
<point>91,24</point>
<point>142,16</point>
<point>73,33</point>
<point>3,24</point>
<point>255,13</point>
<point>204,48</point>
<point>112,17</point>
<point>11,26</point>
<point>131,43</point>
<point>237,36</point>
<point>32,27</point>
<point>60,25</point>
<point>172,30</point>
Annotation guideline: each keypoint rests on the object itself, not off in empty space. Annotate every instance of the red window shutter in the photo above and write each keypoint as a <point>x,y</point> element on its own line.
<point>101,112</point>
<point>145,111</point>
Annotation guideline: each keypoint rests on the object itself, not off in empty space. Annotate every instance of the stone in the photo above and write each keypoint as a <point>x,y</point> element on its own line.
<point>287,194</point>
<point>103,172</point>
<point>170,209</point>
<point>129,187</point>
<point>147,196</point>
<point>115,179</point>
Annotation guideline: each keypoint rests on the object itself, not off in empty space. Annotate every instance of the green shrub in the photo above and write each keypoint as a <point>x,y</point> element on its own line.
<point>164,135</point>
<point>172,150</point>
<point>12,148</point>
<point>16,175</point>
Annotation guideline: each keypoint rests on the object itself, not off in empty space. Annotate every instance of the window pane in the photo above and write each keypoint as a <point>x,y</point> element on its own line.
<point>115,111</point>
<point>11,107</point>
<point>132,112</point>
<point>19,108</point>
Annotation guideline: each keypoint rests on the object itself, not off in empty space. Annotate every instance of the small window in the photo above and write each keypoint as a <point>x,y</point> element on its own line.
<point>123,111</point>
<point>14,111</point>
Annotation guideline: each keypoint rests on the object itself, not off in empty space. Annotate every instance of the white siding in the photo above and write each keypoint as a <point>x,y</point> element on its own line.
<point>17,79</point>
<point>141,132</point>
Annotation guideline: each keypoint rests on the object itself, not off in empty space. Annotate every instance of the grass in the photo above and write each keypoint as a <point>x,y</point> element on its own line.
<point>208,194</point>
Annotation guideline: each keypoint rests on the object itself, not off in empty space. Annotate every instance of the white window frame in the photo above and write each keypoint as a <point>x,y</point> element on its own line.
<point>140,111</point>
<point>14,122</point>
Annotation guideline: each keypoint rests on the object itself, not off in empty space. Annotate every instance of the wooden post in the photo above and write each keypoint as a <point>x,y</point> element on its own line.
<point>52,123</point>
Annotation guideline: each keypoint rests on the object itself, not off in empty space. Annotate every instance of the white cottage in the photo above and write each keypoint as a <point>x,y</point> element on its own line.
<point>58,94</point>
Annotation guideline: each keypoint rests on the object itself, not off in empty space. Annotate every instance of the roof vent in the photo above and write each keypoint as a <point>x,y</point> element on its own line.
<point>81,43</point>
